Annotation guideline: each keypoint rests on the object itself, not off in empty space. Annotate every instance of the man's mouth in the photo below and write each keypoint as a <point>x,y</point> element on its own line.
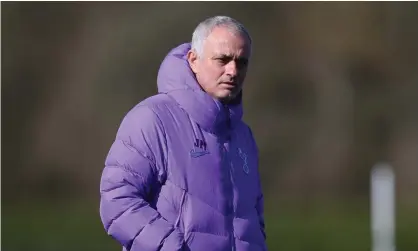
<point>230,84</point>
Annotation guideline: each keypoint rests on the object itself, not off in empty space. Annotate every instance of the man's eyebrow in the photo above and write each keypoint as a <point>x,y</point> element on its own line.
<point>230,56</point>
<point>223,56</point>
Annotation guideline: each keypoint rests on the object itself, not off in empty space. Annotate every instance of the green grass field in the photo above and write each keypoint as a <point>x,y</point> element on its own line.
<point>77,226</point>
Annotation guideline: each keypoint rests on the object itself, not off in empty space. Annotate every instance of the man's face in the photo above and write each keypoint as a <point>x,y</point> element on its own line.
<point>222,67</point>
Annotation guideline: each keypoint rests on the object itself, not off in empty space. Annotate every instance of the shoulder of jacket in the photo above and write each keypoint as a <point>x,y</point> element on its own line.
<point>155,104</point>
<point>158,103</point>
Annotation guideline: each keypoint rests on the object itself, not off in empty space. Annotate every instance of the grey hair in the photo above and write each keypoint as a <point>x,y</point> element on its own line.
<point>203,30</point>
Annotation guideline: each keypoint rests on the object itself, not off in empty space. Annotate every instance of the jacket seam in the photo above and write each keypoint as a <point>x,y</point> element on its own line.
<point>112,221</point>
<point>251,242</point>
<point>164,132</point>
<point>149,223</point>
<point>200,232</point>
<point>236,237</point>
<point>138,151</point>
<point>128,170</point>
<point>197,197</point>
<point>183,197</point>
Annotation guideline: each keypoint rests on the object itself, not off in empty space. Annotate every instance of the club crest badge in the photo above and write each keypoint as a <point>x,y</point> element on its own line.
<point>244,159</point>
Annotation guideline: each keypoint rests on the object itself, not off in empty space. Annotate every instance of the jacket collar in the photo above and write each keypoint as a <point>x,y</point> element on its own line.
<point>176,79</point>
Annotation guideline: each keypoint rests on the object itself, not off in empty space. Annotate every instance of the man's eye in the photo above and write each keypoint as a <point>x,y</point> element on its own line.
<point>222,60</point>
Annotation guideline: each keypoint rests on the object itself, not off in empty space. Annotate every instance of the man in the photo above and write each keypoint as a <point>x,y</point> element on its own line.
<point>182,173</point>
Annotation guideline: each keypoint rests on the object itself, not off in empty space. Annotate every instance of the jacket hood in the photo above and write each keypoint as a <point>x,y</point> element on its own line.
<point>176,79</point>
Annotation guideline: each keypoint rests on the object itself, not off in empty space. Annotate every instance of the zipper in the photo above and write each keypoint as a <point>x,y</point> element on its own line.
<point>228,162</point>
<point>231,211</point>
<point>232,207</point>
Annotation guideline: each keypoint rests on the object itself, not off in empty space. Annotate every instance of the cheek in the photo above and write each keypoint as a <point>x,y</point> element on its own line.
<point>210,74</point>
<point>218,72</point>
<point>208,79</point>
<point>213,73</point>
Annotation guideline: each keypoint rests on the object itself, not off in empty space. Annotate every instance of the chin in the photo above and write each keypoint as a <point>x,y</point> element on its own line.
<point>226,97</point>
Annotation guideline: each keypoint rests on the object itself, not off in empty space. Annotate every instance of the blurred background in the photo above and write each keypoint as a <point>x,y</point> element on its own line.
<point>332,90</point>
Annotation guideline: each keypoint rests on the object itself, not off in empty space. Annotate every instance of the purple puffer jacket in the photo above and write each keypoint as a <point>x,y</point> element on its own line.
<point>182,173</point>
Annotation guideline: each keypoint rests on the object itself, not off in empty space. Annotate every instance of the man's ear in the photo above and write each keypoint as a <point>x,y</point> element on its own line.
<point>193,60</point>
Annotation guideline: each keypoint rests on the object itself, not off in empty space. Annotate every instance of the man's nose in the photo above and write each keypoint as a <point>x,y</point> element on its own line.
<point>231,68</point>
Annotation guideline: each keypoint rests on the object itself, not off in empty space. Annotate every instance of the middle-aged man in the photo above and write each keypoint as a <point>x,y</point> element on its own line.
<point>182,173</point>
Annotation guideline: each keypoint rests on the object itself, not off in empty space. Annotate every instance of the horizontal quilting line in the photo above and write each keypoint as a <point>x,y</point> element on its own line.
<point>196,197</point>
<point>149,223</point>
<point>204,201</point>
<point>127,169</point>
<point>205,233</point>
<point>112,188</point>
<point>253,243</point>
<point>199,232</point>
<point>124,212</point>
<point>142,154</point>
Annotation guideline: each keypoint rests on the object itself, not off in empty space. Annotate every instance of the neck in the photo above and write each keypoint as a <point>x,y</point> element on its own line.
<point>225,101</point>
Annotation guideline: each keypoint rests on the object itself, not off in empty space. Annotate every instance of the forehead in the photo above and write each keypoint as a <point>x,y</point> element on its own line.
<point>223,41</point>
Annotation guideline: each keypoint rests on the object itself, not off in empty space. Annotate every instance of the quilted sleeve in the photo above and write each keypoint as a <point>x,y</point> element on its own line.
<point>134,169</point>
